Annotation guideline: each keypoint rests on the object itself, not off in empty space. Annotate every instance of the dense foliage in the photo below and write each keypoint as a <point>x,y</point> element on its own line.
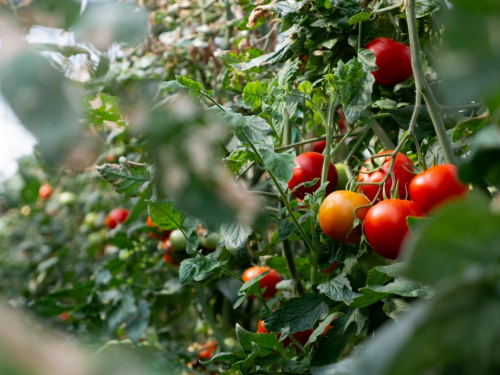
<point>189,118</point>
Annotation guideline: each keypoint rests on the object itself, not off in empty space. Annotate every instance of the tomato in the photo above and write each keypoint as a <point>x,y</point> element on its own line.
<point>64,317</point>
<point>164,233</point>
<point>342,175</point>
<point>319,146</point>
<point>331,269</point>
<point>327,328</point>
<point>209,241</point>
<point>45,191</point>
<point>393,60</point>
<point>207,350</point>
<point>436,187</point>
<point>179,242</point>
<point>336,215</point>
<point>401,173</point>
<point>168,257</point>
<point>309,166</point>
<point>269,281</point>
<point>301,337</point>
<point>115,217</point>
<point>386,227</point>
<point>67,198</point>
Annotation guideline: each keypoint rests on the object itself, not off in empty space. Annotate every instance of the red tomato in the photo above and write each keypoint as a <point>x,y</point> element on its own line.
<point>168,257</point>
<point>269,281</point>
<point>301,337</point>
<point>309,166</point>
<point>336,215</point>
<point>319,146</point>
<point>115,217</point>
<point>386,227</point>
<point>436,187</point>
<point>331,269</point>
<point>45,191</point>
<point>393,60</point>
<point>64,317</point>
<point>207,350</point>
<point>401,174</point>
<point>328,327</point>
<point>164,233</point>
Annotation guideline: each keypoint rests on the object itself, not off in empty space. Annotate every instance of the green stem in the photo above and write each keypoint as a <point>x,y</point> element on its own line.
<point>381,135</point>
<point>389,8</point>
<point>334,106</point>
<point>357,145</point>
<point>430,100</point>
<point>260,297</point>
<point>230,272</point>
<point>312,140</point>
<point>208,316</point>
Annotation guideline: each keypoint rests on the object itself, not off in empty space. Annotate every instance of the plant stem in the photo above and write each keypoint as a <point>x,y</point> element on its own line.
<point>312,140</point>
<point>208,316</point>
<point>389,8</point>
<point>230,272</point>
<point>381,135</point>
<point>265,194</point>
<point>334,106</point>
<point>418,71</point>
<point>465,107</point>
<point>358,144</point>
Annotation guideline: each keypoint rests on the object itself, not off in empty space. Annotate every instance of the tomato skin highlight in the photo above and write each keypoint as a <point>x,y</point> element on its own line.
<point>309,166</point>
<point>401,174</point>
<point>437,186</point>
<point>336,215</point>
<point>386,227</point>
<point>45,191</point>
<point>393,60</point>
<point>115,217</point>
<point>269,281</point>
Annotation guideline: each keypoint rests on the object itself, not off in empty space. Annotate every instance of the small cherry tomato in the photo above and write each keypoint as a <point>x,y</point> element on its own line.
<point>309,166</point>
<point>179,242</point>
<point>401,173</point>
<point>386,227</point>
<point>437,186</point>
<point>115,217</point>
<point>209,241</point>
<point>164,233</point>
<point>336,215</point>
<point>45,191</point>
<point>393,60</point>
<point>207,350</point>
<point>269,281</point>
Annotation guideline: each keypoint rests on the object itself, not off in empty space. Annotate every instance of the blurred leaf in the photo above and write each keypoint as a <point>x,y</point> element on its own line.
<point>286,228</point>
<point>122,312</point>
<point>425,7</point>
<point>321,328</point>
<point>469,127</point>
<point>382,274</point>
<point>131,179</point>
<point>395,308</point>
<point>139,322</point>
<point>36,92</point>
<point>267,343</point>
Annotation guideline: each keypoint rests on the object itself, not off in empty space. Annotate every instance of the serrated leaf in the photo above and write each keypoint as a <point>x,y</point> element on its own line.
<point>338,289</point>
<point>192,267</point>
<point>280,164</point>
<point>267,343</point>
<point>469,127</point>
<point>165,215</point>
<point>287,72</point>
<point>235,238</point>
<point>253,93</point>
<point>360,17</point>
<point>285,229</point>
<point>138,322</point>
<point>131,179</point>
<point>189,83</point>
<point>383,274</point>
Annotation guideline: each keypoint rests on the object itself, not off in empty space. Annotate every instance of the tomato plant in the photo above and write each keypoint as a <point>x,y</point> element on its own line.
<point>393,60</point>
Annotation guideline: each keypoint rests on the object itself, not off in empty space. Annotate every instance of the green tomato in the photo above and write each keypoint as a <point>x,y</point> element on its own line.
<point>178,241</point>
<point>67,198</point>
<point>343,180</point>
<point>96,238</point>
<point>210,240</point>
<point>90,219</point>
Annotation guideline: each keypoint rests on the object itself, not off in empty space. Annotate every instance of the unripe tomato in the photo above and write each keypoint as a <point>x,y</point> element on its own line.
<point>179,242</point>
<point>45,191</point>
<point>393,60</point>
<point>207,350</point>
<point>301,337</point>
<point>164,233</point>
<point>436,187</point>
<point>386,227</point>
<point>309,166</point>
<point>209,241</point>
<point>331,269</point>
<point>401,174</point>
<point>336,215</point>
<point>269,281</point>
<point>115,217</point>
<point>342,175</point>
<point>67,198</point>
<point>90,219</point>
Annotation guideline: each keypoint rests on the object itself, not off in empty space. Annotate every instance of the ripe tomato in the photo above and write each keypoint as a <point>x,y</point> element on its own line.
<point>309,166</point>
<point>336,215</point>
<point>179,242</point>
<point>207,350</point>
<point>164,233</point>
<point>331,269</point>
<point>400,173</point>
<point>301,337</point>
<point>115,217</point>
<point>168,257</point>
<point>319,146</point>
<point>436,187</point>
<point>393,60</point>
<point>386,227</point>
<point>269,281</point>
<point>45,191</point>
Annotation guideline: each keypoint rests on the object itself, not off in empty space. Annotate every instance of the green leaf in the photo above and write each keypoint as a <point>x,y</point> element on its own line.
<point>253,93</point>
<point>267,343</point>
<point>120,313</point>
<point>299,315</point>
<point>189,227</point>
<point>368,59</point>
<point>338,289</point>
<point>138,322</point>
<point>332,346</point>
<point>395,308</point>
<point>129,178</point>
<point>360,17</point>
<point>287,72</point>
<point>193,267</point>
<point>170,85</point>
<point>385,104</point>
<point>233,357</point>
<point>235,238</point>
<point>270,58</point>
<point>469,127</point>
<point>424,125</point>
<point>425,7</point>
<point>350,316</point>
<point>286,228</point>
<point>280,164</point>
<point>383,274</point>
<point>189,83</point>
<point>321,328</point>
<point>165,215</point>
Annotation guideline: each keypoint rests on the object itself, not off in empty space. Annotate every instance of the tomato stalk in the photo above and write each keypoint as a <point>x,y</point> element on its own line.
<point>422,86</point>
<point>334,106</point>
<point>389,8</point>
